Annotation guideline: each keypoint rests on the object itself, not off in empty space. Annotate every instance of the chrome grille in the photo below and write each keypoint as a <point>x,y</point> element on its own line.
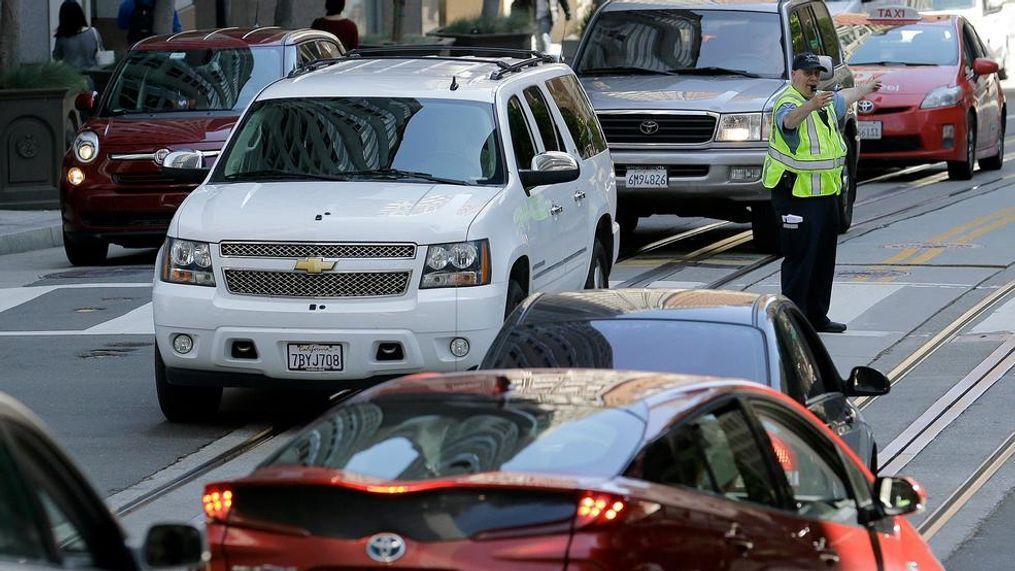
<point>306,250</point>
<point>331,284</point>
<point>667,128</point>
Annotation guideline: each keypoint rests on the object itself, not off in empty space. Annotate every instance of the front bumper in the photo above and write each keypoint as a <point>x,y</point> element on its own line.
<point>694,175</point>
<point>422,322</point>
<point>916,136</point>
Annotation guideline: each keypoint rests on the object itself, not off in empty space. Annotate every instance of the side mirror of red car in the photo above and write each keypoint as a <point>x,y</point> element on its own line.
<point>985,66</point>
<point>867,382</point>
<point>86,101</point>
<point>899,496</point>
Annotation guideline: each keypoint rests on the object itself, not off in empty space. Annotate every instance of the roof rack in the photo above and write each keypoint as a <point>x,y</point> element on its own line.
<point>527,58</point>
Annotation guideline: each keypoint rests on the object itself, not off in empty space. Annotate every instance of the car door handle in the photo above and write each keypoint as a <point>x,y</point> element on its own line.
<point>556,209</point>
<point>829,558</point>
<point>579,195</point>
<point>738,540</point>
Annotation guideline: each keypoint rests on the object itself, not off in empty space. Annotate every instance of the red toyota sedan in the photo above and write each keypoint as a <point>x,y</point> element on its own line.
<point>170,93</point>
<point>565,469</point>
<point>941,98</point>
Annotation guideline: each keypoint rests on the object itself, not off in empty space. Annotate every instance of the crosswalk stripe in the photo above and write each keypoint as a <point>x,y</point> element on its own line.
<point>136,322</point>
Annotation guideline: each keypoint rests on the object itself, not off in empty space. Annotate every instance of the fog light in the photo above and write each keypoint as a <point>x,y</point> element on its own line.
<point>75,176</point>
<point>948,136</point>
<point>745,174</point>
<point>182,344</point>
<point>459,347</point>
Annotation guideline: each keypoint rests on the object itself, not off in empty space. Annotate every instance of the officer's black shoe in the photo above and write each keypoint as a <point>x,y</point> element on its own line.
<point>832,327</point>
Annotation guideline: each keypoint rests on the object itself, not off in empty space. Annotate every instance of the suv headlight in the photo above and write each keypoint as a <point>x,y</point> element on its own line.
<point>942,97</point>
<point>459,264</point>
<point>187,262</point>
<point>739,127</point>
<point>86,147</point>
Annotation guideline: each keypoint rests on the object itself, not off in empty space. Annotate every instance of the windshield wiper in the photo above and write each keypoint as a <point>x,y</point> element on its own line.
<point>404,174</point>
<point>626,70</point>
<point>888,62</point>
<point>713,71</point>
<point>274,174</point>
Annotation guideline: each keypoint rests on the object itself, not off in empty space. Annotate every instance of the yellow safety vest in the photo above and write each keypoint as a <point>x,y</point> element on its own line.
<point>817,160</point>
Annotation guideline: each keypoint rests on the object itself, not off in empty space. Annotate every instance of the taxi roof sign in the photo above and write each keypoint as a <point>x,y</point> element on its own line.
<point>894,14</point>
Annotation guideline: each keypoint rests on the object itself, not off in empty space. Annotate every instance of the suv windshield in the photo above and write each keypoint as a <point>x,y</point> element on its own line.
<point>420,437</point>
<point>716,42</point>
<point>192,80</point>
<point>914,44</point>
<point>355,138</point>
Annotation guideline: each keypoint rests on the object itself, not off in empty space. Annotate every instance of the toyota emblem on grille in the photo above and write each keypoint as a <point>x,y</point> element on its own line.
<point>649,127</point>
<point>865,106</point>
<point>386,547</point>
<point>160,156</point>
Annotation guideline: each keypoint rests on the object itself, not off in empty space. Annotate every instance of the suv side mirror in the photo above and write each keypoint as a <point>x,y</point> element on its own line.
<point>985,66</point>
<point>173,545</point>
<point>86,101</point>
<point>551,167</point>
<point>867,382</point>
<point>185,166</point>
<point>899,496</point>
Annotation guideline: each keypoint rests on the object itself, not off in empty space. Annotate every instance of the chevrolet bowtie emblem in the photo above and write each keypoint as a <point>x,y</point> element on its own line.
<point>314,265</point>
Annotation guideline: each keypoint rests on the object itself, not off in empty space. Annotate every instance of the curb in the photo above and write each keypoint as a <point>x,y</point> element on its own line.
<point>32,239</point>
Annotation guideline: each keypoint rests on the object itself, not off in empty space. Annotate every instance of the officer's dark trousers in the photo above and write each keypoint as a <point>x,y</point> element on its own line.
<point>808,267</point>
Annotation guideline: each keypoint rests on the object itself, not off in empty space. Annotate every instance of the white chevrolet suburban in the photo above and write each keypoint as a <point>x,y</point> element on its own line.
<point>377,216</point>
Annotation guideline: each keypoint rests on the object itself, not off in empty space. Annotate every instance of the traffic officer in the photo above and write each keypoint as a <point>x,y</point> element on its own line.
<point>804,170</point>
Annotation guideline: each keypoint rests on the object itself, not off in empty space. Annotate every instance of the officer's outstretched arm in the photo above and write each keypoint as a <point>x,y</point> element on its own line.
<point>853,94</point>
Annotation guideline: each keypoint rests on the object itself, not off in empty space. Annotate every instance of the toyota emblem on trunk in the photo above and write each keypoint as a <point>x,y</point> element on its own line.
<point>386,547</point>
<point>649,127</point>
<point>865,106</point>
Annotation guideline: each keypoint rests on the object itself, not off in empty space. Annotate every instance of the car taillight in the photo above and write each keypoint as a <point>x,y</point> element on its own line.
<point>218,501</point>
<point>603,509</point>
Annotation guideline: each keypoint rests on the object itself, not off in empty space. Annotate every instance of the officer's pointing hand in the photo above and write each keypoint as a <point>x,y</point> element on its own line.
<point>873,84</point>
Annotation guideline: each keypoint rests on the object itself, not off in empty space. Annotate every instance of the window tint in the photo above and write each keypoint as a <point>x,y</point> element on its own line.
<point>417,437</point>
<point>306,53</point>
<point>544,120</point>
<point>19,534</point>
<point>972,51</point>
<point>721,349</point>
<point>819,488</point>
<point>803,377</point>
<point>521,136</point>
<point>192,80</point>
<point>714,453</point>
<point>328,49</point>
<point>356,138</point>
<point>812,41</point>
<point>826,27</point>
<point>578,116</point>
<point>796,32</point>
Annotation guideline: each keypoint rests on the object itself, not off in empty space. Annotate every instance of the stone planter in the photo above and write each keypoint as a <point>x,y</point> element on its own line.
<point>33,139</point>
<point>514,40</point>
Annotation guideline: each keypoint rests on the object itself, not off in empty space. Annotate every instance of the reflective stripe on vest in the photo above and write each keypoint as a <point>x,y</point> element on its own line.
<point>818,161</point>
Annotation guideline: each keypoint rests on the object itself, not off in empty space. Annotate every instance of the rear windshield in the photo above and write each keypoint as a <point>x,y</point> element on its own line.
<point>192,80</point>
<point>913,44</point>
<point>692,347</point>
<point>685,41</point>
<point>348,138</point>
<point>419,437</point>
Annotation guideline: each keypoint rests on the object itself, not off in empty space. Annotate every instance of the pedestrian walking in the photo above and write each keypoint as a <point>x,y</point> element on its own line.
<point>343,28</point>
<point>76,43</point>
<point>544,21</point>
<point>804,170</point>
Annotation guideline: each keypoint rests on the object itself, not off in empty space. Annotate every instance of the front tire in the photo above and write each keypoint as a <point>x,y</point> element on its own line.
<point>847,197</point>
<point>963,170</point>
<point>182,403</point>
<point>84,251</point>
<point>515,295</point>
<point>598,276</point>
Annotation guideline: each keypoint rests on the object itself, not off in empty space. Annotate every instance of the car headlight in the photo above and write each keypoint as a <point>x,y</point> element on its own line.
<point>86,147</point>
<point>739,127</point>
<point>187,262</point>
<point>459,264</point>
<point>942,97</point>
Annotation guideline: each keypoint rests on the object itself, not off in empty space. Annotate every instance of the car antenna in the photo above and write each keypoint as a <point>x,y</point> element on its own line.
<point>454,83</point>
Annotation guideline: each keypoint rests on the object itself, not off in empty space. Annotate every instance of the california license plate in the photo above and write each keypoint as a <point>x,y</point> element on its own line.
<point>869,129</point>
<point>315,357</point>
<point>647,178</point>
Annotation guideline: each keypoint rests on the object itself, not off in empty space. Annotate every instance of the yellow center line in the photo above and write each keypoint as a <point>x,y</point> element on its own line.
<point>934,252</point>
<point>985,219</point>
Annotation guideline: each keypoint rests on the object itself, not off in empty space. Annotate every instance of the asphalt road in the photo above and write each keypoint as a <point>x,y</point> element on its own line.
<point>76,344</point>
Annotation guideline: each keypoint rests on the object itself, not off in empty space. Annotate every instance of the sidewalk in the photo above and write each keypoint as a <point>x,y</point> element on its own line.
<point>26,230</point>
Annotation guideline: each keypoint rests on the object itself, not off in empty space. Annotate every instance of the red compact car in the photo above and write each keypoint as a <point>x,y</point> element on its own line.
<point>555,469</point>
<point>941,98</point>
<point>170,93</point>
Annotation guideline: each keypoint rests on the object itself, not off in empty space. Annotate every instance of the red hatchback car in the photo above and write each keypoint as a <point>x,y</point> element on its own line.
<point>941,98</point>
<point>170,93</point>
<point>565,469</point>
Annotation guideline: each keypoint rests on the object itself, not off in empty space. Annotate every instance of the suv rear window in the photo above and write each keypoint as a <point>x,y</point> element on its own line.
<point>419,437</point>
<point>345,138</point>
<point>663,41</point>
<point>192,80</point>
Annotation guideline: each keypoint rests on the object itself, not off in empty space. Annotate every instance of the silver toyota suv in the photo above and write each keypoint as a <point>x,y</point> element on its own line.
<point>684,91</point>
